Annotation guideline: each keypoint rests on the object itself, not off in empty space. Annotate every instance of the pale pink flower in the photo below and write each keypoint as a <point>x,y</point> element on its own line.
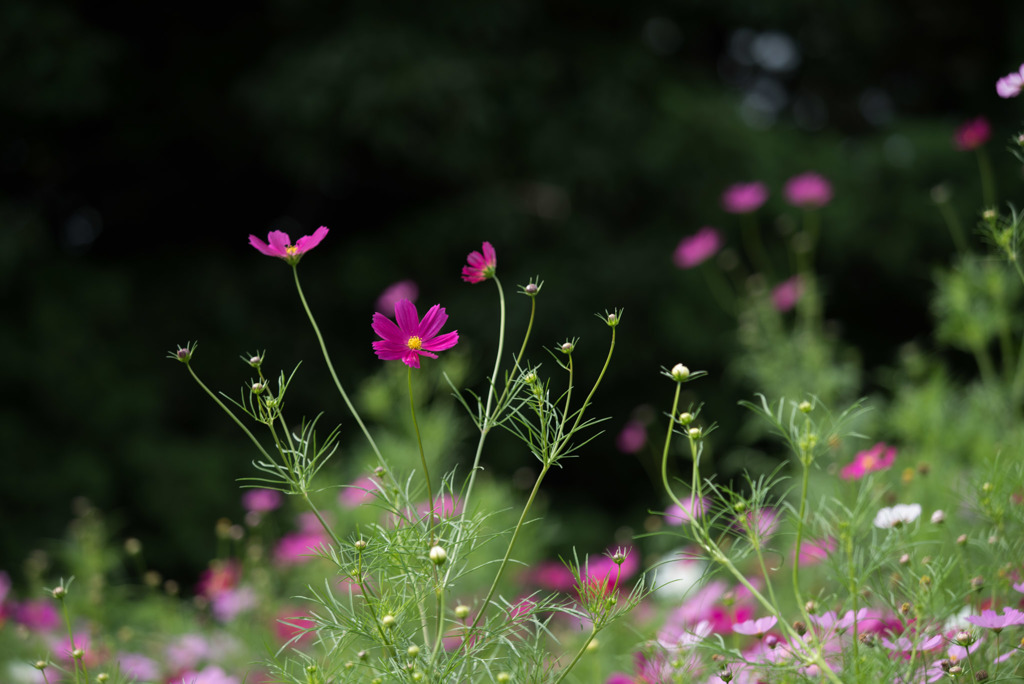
<point>758,627</point>
<point>280,245</point>
<point>188,650</point>
<point>989,619</point>
<point>227,605</point>
<point>898,515</point>
<point>1011,84</point>
<point>632,437</point>
<point>786,294</point>
<point>445,506</point>
<point>808,191</point>
<point>972,134</point>
<point>879,457</point>
<point>138,667</point>
<point>691,508</point>
<point>403,289</point>
<point>695,249</point>
<point>261,500</point>
<point>359,492</point>
<point>37,614</point>
<point>410,338</point>
<point>763,522</point>
<point>211,674</point>
<point>744,198</point>
<point>480,266</point>
<point>813,552</point>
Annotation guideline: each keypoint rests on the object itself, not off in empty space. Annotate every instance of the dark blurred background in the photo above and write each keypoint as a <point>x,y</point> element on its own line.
<point>140,144</point>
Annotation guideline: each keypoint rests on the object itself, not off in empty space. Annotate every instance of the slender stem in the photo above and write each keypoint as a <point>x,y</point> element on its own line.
<point>579,654</point>
<point>71,634</point>
<point>230,413</point>
<point>956,231</point>
<point>334,375</point>
<point>423,460</point>
<point>600,377</point>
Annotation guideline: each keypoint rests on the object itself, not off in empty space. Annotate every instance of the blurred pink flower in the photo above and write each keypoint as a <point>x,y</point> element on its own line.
<point>403,289</point>
<point>972,134</point>
<point>299,547</point>
<point>218,578</point>
<point>878,457</point>
<point>138,667</point>
<point>762,521</point>
<point>744,198</point>
<point>445,506</point>
<point>280,245</point>
<point>188,650</point>
<point>808,191</point>
<point>758,627</point>
<point>37,614</point>
<point>813,552</point>
<point>618,678</point>
<point>292,629</point>
<point>786,294</point>
<point>603,571</point>
<point>411,338</point>
<point>1011,84</point>
<point>695,249</point>
<point>632,437</point>
<point>552,575</point>
<point>989,619</point>
<point>227,605</point>
<point>90,655</point>
<point>211,674</point>
<point>261,500</point>
<point>676,516</point>
<point>480,266</point>
<point>359,492</point>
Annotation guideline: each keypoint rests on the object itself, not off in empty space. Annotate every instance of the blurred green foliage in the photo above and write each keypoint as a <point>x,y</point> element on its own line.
<point>144,143</point>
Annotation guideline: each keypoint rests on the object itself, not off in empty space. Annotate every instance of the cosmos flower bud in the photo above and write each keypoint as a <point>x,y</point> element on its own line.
<point>461,611</point>
<point>567,347</point>
<point>680,372</point>
<point>388,621</point>
<point>413,651</point>
<point>805,406</point>
<point>438,555</point>
<point>938,517</point>
<point>360,544</point>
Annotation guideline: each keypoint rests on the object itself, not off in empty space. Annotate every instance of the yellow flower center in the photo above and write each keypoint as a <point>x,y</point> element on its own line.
<point>868,462</point>
<point>414,343</point>
<point>291,249</point>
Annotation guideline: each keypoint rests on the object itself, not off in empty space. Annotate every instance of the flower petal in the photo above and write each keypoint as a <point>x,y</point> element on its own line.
<point>262,246</point>
<point>279,242</point>
<point>308,242</point>
<point>433,321</point>
<point>407,318</point>
<point>441,342</point>
<point>386,328</point>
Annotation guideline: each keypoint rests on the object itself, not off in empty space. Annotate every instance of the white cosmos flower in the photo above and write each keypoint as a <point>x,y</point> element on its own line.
<point>900,514</point>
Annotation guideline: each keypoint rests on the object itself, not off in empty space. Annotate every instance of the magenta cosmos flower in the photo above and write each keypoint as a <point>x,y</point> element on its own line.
<point>786,294</point>
<point>808,191</point>
<point>1011,84</point>
<point>972,134</point>
<point>480,267</point>
<point>695,249</point>
<point>744,198</point>
<point>279,245</point>
<point>403,289</point>
<point>411,338</point>
<point>878,457</point>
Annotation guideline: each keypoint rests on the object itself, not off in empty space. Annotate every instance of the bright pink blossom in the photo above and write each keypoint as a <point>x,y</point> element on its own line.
<point>403,289</point>
<point>691,508</point>
<point>878,457</point>
<point>695,249</point>
<point>553,576</point>
<point>299,547</point>
<point>480,267</point>
<point>37,614</point>
<point>411,338</point>
<point>744,198</point>
<point>261,500</point>
<point>359,492</point>
<point>786,294</point>
<point>1011,84</point>
<point>808,191</point>
<point>972,134</point>
<point>280,245</point>
<point>445,506</point>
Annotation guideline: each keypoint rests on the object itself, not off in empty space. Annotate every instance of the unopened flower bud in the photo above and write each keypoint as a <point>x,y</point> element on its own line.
<point>255,361</point>
<point>680,372</point>
<point>613,320</point>
<point>867,638</point>
<point>102,678</point>
<point>977,583</point>
<point>566,347</point>
<point>503,678</point>
<point>413,651</point>
<point>725,675</point>
<point>993,539</point>
<point>184,354</point>
<point>461,611</point>
<point>805,406</point>
<point>989,215</point>
<point>619,557</point>
<point>258,387</point>
<point>956,670</point>
<point>363,655</point>
<point>694,433</point>
<point>938,517</point>
<point>904,608</point>
<point>964,638</point>
<point>685,418</point>
<point>904,559</point>
<point>388,621</point>
<point>40,665</point>
<point>531,289</point>
<point>961,540</point>
<point>311,668</point>
<point>77,653</point>
<point>438,555</point>
<point>811,607</point>
<point>360,544</point>
<point>379,472</point>
<point>800,628</point>
<point>925,581</point>
<point>981,676</point>
<point>986,487</point>
<point>59,592</point>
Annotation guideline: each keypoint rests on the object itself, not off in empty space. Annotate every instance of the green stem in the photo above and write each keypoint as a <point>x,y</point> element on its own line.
<point>231,414</point>
<point>71,635</point>
<point>423,460</point>
<point>579,654</point>
<point>956,231</point>
<point>334,375</point>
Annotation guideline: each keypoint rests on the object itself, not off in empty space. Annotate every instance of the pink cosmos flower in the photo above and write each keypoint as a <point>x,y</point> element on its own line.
<point>293,630</point>
<point>786,294</point>
<point>219,577</point>
<point>763,522</point>
<point>744,198</point>
<point>604,572</point>
<point>280,245</point>
<point>989,619</point>
<point>808,191</point>
<point>261,500</point>
<point>553,576</point>
<point>226,605</point>
<point>403,289</point>
<point>138,667</point>
<point>480,266</point>
<point>813,552</point>
<point>632,437</point>
<point>410,338</point>
<point>758,627</point>
<point>1011,84</point>
<point>878,457</point>
<point>445,506</point>
<point>691,508</point>
<point>37,614</point>
<point>359,492</point>
<point>695,249</point>
<point>299,547</point>
<point>972,134</point>
<point>211,674</point>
